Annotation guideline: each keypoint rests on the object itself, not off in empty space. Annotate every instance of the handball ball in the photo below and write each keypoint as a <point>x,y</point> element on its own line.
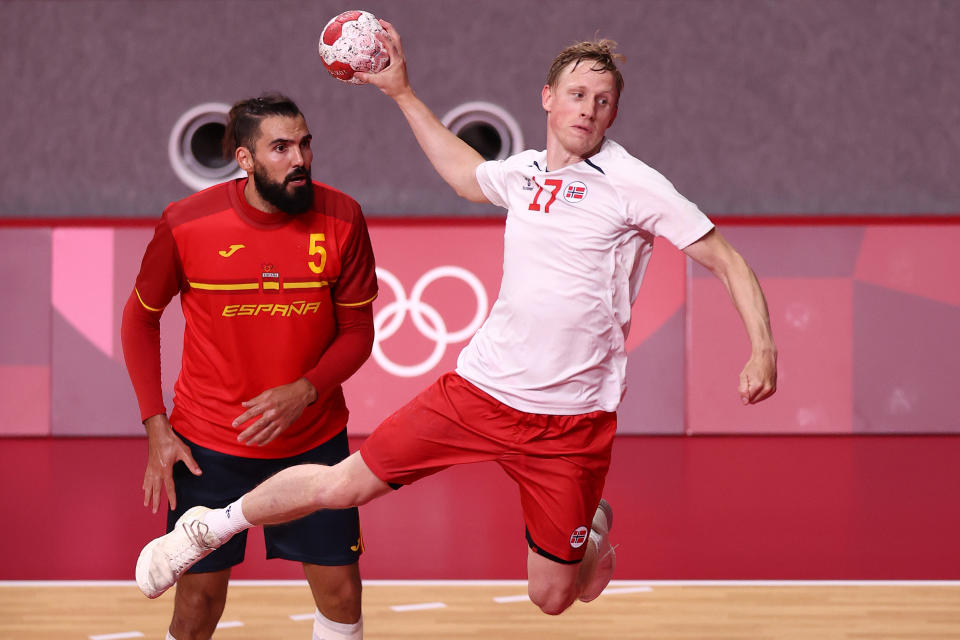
<point>349,44</point>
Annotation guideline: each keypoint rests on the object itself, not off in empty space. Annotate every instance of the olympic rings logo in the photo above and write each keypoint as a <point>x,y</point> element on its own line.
<point>425,318</point>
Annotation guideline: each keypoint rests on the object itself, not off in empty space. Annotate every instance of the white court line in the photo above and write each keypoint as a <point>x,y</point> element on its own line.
<point>418,607</point>
<point>503,599</point>
<point>299,617</point>
<point>513,583</point>
<point>117,636</point>
<point>229,624</point>
<point>607,591</point>
<point>613,590</point>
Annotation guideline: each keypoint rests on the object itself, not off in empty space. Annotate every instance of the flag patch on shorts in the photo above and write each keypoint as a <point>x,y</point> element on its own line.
<point>578,537</point>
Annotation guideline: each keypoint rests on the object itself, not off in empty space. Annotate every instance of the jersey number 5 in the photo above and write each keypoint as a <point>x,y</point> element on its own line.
<point>317,248</point>
<point>555,186</point>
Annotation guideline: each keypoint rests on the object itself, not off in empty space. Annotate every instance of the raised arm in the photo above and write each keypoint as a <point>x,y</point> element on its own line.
<point>453,159</point>
<point>758,380</point>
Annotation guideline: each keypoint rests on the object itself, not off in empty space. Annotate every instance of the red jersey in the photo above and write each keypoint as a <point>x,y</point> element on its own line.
<point>258,292</point>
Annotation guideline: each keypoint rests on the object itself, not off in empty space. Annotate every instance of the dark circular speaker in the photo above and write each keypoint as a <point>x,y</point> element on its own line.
<point>489,129</point>
<point>195,147</point>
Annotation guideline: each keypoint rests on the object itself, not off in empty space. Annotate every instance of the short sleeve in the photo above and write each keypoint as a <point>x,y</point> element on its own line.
<point>492,180</point>
<point>357,284</point>
<point>654,205</point>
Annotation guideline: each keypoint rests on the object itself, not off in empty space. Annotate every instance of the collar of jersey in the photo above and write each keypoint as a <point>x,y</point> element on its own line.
<point>542,159</point>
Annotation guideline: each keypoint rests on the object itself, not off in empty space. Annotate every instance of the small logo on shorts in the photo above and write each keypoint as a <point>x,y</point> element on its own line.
<point>578,537</point>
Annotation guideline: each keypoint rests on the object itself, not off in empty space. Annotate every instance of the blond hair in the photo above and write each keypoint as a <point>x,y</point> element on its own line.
<point>600,52</point>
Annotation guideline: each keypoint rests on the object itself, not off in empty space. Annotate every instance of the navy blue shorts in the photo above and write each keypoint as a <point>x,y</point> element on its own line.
<point>327,538</point>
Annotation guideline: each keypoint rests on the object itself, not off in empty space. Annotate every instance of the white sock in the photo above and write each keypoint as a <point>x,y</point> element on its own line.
<point>226,522</point>
<point>324,629</point>
<point>170,636</point>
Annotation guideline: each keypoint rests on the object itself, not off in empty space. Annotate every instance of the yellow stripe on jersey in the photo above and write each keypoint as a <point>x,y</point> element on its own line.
<point>272,286</point>
<point>240,286</point>
<point>356,304</point>
<point>145,305</point>
<point>313,284</point>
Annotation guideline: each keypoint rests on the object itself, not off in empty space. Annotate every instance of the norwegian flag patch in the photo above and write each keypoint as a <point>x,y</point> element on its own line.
<point>575,192</point>
<point>578,537</point>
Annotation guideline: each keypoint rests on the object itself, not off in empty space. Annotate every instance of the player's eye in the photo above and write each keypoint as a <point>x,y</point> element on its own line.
<point>280,148</point>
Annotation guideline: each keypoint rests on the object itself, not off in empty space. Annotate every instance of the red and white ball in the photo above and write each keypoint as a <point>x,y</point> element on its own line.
<point>349,44</point>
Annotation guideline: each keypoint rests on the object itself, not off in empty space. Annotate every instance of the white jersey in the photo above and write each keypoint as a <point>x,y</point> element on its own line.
<point>576,244</point>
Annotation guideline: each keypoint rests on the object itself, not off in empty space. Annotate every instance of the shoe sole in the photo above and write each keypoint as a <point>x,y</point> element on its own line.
<point>143,570</point>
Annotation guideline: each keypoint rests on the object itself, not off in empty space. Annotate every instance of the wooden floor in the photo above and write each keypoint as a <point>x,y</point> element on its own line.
<point>472,611</point>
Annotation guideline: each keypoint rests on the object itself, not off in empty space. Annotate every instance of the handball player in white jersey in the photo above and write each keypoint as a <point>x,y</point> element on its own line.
<point>537,388</point>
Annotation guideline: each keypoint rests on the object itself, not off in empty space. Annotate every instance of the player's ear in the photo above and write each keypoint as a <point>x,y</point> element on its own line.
<point>546,97</point>
<point>244,159</point>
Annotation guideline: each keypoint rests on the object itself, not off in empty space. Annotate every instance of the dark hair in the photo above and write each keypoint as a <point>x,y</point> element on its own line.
<point>600,52</point>
<point>245,117</point>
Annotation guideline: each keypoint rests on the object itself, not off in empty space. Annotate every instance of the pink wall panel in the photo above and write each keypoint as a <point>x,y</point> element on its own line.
<point>921,260</point>
<point>812,323</point>
<point>454,270</point>
<point>25,318</point>
<point>91,393</point>
<point>654,401</point>
<point>25,398</point>
<point>662,295</point>
<point>906,340</point>
<point>866,316</point>
<point>82,284</point>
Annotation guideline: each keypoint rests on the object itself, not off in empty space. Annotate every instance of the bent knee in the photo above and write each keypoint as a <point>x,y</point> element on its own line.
<point>346,484</point>
<point>197,609</point>
<point>332,491</point>
<point>341,605</point>
<point>553,599</point>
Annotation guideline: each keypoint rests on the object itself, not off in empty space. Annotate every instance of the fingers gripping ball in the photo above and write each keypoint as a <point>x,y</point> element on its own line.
<point>349,44</point>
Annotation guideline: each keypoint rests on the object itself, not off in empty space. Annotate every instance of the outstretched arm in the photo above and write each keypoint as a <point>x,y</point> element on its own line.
<point>453,159</point>
<point>758,380</point>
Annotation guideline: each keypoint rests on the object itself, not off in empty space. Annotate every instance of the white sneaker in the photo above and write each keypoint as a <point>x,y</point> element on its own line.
<point>607,557</point>
<point>165,559</point>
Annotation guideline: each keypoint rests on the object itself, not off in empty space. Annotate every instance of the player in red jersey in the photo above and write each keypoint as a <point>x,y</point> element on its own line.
<point>537,388</point>
<point>276,277</point>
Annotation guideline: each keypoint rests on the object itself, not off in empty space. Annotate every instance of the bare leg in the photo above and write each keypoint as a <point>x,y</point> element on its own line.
<point>554,586</point>
<point>198,604</point>
<point>303,489</point>
<point>291,494</point>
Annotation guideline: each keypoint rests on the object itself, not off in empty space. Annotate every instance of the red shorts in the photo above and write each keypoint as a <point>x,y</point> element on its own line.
<point>559,462</point>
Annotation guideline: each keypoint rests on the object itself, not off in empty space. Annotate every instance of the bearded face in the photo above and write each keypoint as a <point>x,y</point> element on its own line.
<point>292,195</point>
